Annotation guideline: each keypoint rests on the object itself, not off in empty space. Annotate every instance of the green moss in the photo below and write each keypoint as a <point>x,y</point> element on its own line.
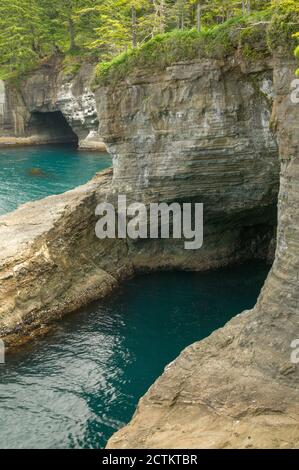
<point>166,49</point>
<point>71,65</point>
<point>15,78</point>
<point>254,36</point>
<point>71,62</point>
<point>253,42</point>
<point>280,35</point>
<point>7,75</point>
<point>73,59</point>
<point>296,51</point>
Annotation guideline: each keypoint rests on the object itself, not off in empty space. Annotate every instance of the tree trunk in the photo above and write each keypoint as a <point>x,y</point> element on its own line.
<point>248,7</point>
<point>134,28</point>
<point>159,7</point>
<point>72,33</point>
<point>182,20</point>
<point>198,17</point>
<point>243,7</point>
<point>182,14</point>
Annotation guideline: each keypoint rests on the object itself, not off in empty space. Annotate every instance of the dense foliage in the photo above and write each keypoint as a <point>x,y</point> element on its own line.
<point>130,31</point>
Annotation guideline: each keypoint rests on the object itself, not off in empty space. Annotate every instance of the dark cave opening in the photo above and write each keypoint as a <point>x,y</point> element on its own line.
<point>51,128</point>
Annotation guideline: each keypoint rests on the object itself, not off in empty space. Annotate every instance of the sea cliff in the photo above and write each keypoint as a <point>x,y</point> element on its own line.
<point>198,131</point>
<point>206,130</point>
<point>239,388</point>
<point>50,106</point>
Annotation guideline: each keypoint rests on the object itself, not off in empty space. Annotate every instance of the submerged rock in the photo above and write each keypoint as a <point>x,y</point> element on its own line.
<point>36,172</point>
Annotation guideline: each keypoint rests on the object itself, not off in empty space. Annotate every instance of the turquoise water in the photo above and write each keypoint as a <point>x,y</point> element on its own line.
<point>30,173</point>
<point>76,386</point>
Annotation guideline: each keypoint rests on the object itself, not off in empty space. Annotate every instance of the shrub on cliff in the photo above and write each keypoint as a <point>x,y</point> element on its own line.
<point>254,36</point>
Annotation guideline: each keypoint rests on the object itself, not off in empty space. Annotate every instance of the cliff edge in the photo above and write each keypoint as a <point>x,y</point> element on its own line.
<point>239,387</point>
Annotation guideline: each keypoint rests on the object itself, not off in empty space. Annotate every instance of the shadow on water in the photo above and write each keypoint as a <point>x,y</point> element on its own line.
<point>76,386</point>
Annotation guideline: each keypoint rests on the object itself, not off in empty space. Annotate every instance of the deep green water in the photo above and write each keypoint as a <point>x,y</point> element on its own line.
<point>30,173</point>
<point>76,386</point>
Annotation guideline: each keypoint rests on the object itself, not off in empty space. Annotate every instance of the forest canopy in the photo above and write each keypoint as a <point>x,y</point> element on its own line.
<point>34,30</point>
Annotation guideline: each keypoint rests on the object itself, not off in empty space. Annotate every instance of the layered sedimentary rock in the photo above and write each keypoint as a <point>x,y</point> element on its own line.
<point>239,387</point>
<point>52,263</point>
<point>196,132</point>
<point>199,132</point>
<point>50,91</point>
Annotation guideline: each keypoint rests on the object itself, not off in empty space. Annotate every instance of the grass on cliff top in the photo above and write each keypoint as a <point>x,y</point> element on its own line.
<point>71,62</point>
<point>255,36</point>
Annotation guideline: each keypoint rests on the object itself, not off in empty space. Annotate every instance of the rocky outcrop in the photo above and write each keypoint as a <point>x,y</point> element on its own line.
<point>49,91</point>
<point>52,263</point>
<point>239,388</point>
<point>198,131</point>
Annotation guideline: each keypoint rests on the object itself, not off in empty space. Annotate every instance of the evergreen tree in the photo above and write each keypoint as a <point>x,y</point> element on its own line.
<point>31,30</point>
<point>22,33</point>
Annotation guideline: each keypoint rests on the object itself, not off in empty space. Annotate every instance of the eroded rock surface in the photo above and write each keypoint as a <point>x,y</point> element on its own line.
<point>49,90</point>
<point>239,388</point>
<point>197,132</point>
<point>52,263</point>
<point>200,131</point>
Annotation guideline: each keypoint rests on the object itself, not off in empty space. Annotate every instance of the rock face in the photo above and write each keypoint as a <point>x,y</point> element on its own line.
<point>198,132</point>
<point>49,91</point>
<point>51,261</point>
<point>239,387</point>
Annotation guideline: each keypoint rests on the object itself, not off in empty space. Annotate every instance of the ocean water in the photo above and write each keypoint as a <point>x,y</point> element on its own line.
<point>30,173</point>
<point>74,387</point>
